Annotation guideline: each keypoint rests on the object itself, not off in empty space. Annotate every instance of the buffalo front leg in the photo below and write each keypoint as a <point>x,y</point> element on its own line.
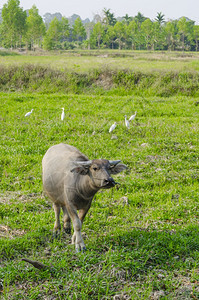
<point>82,214</point>
<point>77,236</point>
<point>57,225</point>
<point>77,224</point>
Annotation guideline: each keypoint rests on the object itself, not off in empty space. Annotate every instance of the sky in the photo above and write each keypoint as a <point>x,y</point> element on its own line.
<point>172,9</point>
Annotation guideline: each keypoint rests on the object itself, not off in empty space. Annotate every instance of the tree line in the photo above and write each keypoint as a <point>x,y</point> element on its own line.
<point>27,29</point>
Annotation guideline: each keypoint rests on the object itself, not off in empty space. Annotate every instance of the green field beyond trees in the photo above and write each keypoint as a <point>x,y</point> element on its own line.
<point>142,237</point>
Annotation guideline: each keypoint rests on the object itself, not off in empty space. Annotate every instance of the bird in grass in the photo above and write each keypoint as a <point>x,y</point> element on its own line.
<point>28,113</point>
<point>62,114</point>
<point>132,117</point>
<point>112,127</point>
<point>127,122</point>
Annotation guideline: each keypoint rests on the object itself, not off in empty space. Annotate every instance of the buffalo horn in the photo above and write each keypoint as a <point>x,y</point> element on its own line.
<point>114,162</point>
<point>86,163</point>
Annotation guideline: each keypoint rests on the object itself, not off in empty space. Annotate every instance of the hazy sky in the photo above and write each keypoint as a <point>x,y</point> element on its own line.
<point>172,9</point>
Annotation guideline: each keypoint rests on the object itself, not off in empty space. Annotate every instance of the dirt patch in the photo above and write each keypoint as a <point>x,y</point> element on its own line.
<point>105,80</point>
<point>7,232</point>
<point>9,197</point>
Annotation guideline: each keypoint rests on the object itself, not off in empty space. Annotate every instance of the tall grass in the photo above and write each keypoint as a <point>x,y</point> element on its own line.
<point>33,78</point>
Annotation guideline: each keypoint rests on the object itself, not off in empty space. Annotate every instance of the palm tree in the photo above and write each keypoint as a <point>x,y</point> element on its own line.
<point>160,18</point>
<point>109,18</point>
<point>140,18</point>
<point>127,19</point>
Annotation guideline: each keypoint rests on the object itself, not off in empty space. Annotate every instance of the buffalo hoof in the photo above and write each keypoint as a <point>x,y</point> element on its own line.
<point>83,249</point>
<point>56,234</point>
<point>67,230</point>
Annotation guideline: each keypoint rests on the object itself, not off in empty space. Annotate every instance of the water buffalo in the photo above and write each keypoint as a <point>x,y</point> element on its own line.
<point>71,180</point>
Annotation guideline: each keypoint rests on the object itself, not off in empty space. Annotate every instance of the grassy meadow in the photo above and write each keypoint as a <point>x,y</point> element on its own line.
<point>141,237</point>
<point>86,60</point>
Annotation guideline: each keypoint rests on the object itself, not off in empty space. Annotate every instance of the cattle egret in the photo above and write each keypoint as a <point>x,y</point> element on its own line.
<point>112,127</point>
<point>132,117</point>
<point>62,114</point>
<point>127,122</point>
<point>28,113</point>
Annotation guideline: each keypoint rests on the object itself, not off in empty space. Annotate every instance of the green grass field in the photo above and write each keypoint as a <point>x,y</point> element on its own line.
<point>83,61</point>
<point>142,237</point>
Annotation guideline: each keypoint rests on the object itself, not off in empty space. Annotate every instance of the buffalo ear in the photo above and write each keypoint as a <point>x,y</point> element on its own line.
<point>118,168</point>
<point>80,170</point>
<point>82,167</point>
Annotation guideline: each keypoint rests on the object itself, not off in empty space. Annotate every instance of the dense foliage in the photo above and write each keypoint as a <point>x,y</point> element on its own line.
<point>27,29</point>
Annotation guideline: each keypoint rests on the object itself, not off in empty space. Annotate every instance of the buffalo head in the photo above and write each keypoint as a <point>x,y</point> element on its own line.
<point>99,171</point>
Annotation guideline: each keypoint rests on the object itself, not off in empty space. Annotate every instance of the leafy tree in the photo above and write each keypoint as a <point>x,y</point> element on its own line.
<point>109,18</point>
<point>133,34</point>
<point>98,33</point>
<point>158,36</point>
<point>120,33</point>
<point>196,35</point>
<point>110,36</point>
<point>185,28</point>
<point>89,28</point>
<point>147,31</point>
<point>79,32</point>
<point>171,34</point>
<point>35,27</point>
<point>13,24</point>
<point>64,29</point>
<point>52,37</point>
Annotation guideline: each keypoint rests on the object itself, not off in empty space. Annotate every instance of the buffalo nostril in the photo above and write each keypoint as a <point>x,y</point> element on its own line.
<point>109,181</point>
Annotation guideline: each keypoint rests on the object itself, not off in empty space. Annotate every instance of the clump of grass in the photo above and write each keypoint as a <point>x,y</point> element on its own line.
<point>8,53</point>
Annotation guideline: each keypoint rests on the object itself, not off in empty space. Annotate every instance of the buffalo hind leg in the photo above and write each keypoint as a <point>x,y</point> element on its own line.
<point>57,225</point>
<point>67,221</point>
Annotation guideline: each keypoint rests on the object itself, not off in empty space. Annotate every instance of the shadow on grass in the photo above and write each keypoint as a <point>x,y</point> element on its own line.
<point>140,250</point>
<point>137,250</point>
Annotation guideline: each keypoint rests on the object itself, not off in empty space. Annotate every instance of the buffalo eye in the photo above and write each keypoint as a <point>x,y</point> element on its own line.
<point>95,168</point>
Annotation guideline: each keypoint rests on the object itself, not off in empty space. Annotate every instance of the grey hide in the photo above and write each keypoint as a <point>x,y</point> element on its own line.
<point>71,180</point>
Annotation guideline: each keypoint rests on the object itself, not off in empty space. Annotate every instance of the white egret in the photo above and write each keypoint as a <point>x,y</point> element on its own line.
<point>132,117</point>
<point>28,113</point>
<point>112,127</point>
<point>127,122</point>
<point>62,114</point>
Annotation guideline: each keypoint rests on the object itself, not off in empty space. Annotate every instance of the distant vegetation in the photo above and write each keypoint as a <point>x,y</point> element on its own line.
<point>102,72</point>
<point>42,79</point>
<point>26,29</point>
